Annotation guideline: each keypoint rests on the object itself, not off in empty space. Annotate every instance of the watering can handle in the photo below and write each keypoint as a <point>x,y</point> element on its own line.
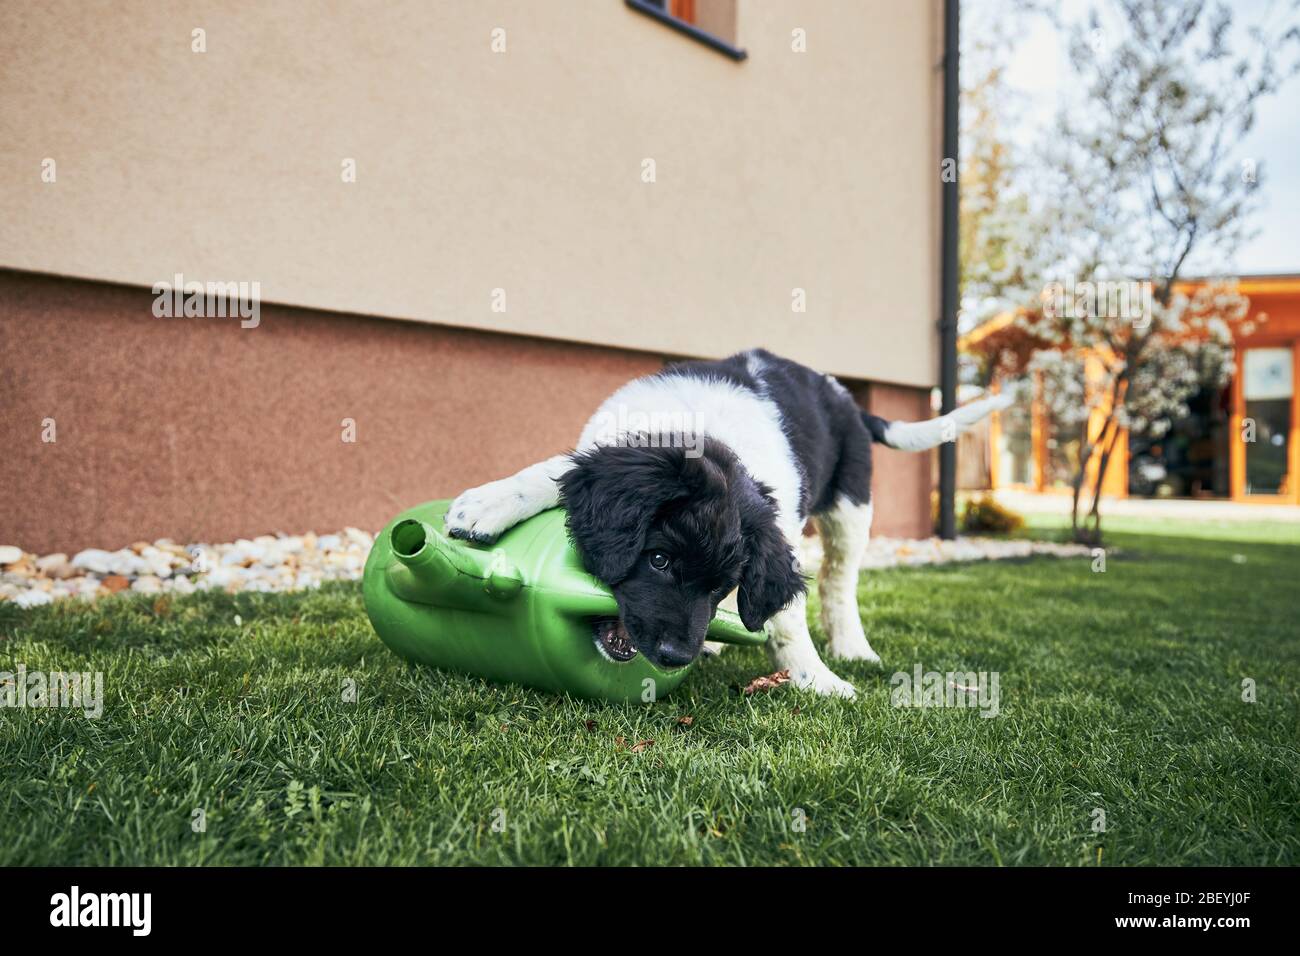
<point>588,597</point>
<point>726,627</point>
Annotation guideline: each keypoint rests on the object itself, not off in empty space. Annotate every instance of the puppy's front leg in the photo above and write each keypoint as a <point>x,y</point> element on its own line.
<point>481,514</point>
<point>790,647</point>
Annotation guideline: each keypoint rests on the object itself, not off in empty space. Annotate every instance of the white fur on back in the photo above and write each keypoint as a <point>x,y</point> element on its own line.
<point>748,424</point>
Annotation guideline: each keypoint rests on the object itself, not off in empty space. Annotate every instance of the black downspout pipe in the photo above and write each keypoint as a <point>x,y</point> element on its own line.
<point>948,279</point>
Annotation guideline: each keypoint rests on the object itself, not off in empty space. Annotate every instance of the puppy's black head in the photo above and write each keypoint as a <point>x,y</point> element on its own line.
<point>672,534</point>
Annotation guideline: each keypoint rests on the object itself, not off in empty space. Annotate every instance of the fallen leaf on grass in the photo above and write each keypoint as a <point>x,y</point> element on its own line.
<point>770,682</point>
<point>685,721</point>
<point>591,726</point>
<point>636,748</point>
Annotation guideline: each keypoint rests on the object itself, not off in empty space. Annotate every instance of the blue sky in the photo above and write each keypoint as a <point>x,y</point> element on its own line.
<point>1039,72</point>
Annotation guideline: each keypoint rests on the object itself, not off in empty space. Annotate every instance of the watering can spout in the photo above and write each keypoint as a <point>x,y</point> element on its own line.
<point>434,569</point>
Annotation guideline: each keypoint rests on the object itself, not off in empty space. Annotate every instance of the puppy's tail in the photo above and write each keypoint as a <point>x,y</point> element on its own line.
<point>918,436</point>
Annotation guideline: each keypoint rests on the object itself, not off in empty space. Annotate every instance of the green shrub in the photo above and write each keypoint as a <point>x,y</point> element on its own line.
<point>983,515</point>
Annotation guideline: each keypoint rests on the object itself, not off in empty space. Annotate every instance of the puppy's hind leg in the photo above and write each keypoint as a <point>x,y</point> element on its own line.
<point>483,513</point>
<point>844,529</point>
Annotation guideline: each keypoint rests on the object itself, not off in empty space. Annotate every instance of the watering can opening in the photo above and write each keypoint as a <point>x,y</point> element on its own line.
<point>408,537</point>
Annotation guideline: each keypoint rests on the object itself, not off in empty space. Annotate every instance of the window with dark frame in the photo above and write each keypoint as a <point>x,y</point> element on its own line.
<point>711,22</point>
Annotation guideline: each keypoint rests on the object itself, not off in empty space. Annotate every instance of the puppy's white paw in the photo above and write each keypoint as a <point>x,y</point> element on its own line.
<point>853,650</point>
<point>482,514</point>
<point>822,681</point>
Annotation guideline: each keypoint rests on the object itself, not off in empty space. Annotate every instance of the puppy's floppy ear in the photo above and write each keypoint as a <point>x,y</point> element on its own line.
<point>769,580</point>
<point>612,494</point>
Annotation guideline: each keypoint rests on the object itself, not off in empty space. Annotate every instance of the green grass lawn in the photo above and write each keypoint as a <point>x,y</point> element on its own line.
<point>1120,692</point>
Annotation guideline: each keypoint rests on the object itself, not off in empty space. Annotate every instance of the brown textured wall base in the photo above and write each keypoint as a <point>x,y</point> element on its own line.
<point>901,483</point>
<point>199,430</point>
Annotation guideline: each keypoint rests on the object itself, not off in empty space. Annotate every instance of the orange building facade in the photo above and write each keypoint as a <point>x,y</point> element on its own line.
<point>1241,442</point>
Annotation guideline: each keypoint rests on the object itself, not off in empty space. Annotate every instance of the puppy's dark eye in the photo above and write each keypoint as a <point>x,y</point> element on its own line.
<point>659,560</point>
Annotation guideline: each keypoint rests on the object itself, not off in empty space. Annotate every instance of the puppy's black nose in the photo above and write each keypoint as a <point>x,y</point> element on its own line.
<point>672,654</point>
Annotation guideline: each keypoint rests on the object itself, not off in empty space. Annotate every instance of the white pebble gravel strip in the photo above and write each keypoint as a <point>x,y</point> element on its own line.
<point>265,563</point>
<point>292,562</point>
<point>893,552</point>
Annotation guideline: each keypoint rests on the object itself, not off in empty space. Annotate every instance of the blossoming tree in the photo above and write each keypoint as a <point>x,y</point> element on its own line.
<point>1131,186</point>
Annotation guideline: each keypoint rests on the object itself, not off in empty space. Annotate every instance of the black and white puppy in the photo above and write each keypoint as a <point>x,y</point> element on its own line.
<point>697,481</point>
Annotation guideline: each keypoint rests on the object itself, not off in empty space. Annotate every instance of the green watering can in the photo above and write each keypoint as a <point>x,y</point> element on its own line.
<point>522,610</point>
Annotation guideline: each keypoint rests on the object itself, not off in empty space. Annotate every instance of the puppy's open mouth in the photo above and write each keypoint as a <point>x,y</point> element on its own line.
<point>612,639</point>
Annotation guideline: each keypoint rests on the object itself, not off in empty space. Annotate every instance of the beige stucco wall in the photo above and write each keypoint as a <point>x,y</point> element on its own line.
<point>479,171</point>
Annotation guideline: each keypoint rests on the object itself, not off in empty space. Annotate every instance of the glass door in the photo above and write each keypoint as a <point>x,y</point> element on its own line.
<point>1015,448</point>
<point>1266,389</point>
